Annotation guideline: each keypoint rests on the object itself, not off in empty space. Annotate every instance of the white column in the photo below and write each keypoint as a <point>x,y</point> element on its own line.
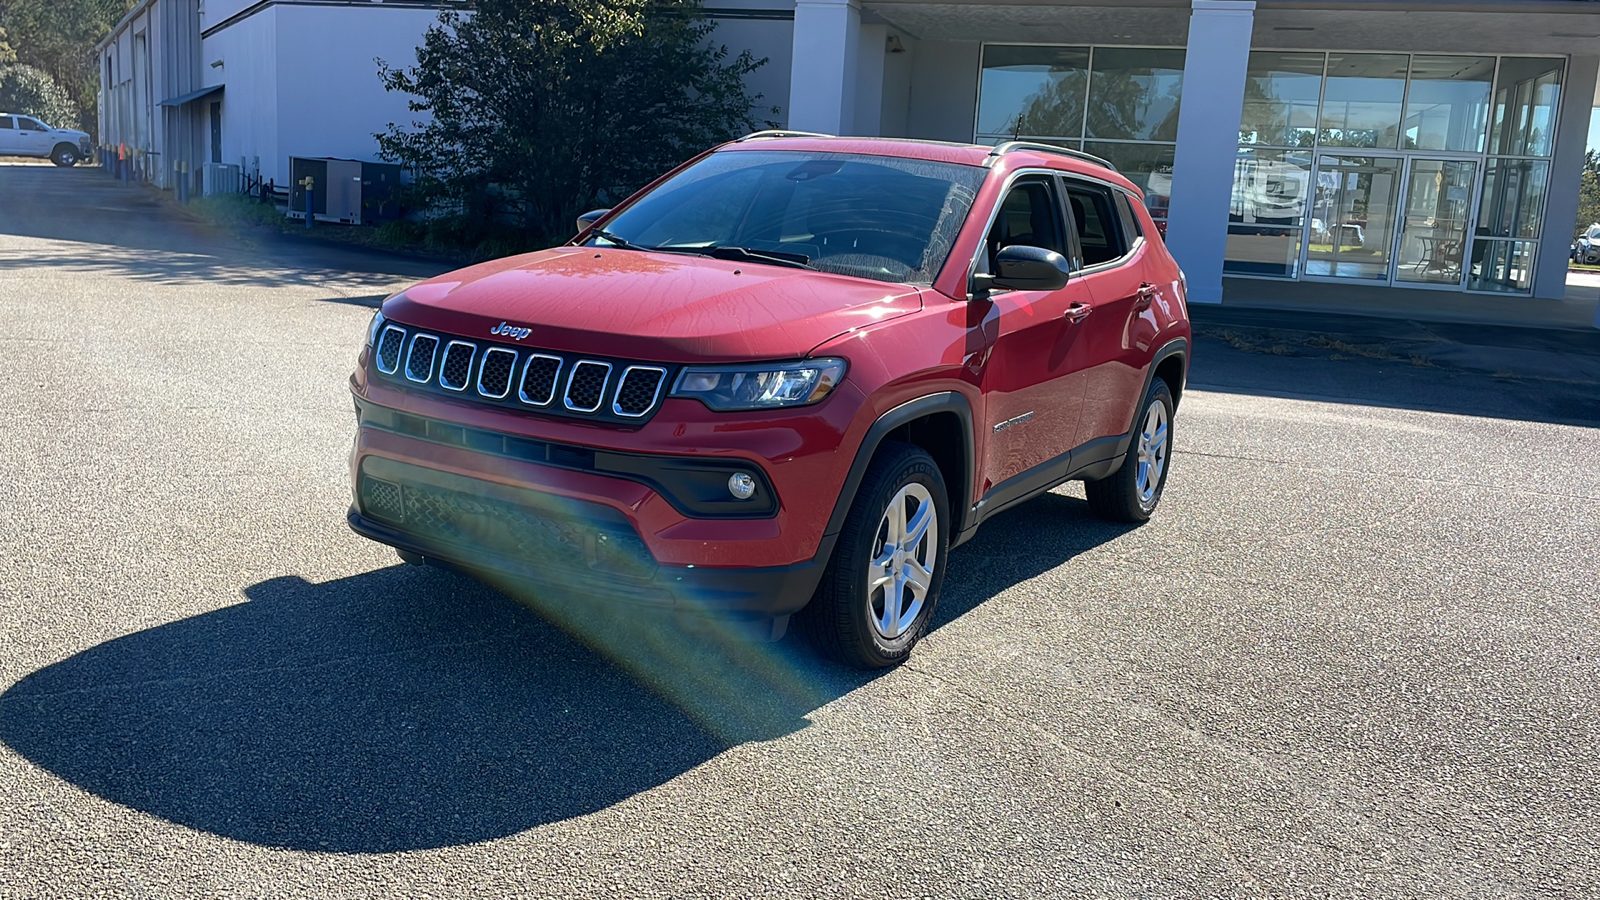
<point>868,119</point>
<point>1208,141</point>
<point>822,80</point>
<point>1566,174</point>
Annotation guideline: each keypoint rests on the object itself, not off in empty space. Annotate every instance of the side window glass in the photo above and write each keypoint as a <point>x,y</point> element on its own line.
<point>5,123</point>
<point>1029,217</point>
<point>30,124</point>
<point>1130,219</point>
<point>1099,225</point>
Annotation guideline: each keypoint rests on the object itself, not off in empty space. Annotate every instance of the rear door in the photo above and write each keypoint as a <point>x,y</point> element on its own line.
<point>1033,383</point>
<point>8,136</point>
<point>1117,334</point>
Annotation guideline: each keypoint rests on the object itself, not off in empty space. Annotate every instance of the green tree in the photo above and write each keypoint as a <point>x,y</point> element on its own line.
<point>541,109</point>
<point>58,37</point>
<point>1588,193</point>
<point>27,90</point>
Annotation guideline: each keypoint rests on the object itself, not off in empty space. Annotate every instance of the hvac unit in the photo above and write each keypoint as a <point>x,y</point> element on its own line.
<point>221,178</point>
<point>343,190</point>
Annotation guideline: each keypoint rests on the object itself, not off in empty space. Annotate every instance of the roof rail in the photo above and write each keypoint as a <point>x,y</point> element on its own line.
<point>781,133</point>
<point>1012,146</point>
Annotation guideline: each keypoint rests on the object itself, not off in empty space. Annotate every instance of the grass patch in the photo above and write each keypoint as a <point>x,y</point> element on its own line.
<point>1366,351</point>
<point>237,210</point>
<point>1240,342</point>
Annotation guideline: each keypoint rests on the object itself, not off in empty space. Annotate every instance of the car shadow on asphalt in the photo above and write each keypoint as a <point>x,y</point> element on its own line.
<point>1019,544</point>
<point>412,708</point>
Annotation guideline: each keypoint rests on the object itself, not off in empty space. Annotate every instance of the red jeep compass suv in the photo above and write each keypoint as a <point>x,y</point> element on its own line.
<point>785,378</point>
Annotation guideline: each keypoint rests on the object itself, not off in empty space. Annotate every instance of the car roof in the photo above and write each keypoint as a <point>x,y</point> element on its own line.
<point>1012,155</point>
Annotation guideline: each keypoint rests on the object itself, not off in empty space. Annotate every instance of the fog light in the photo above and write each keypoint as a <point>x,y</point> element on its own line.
<point>741,486</point>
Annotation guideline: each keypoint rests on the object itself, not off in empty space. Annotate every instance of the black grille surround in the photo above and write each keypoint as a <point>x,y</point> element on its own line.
<point>606,389</point>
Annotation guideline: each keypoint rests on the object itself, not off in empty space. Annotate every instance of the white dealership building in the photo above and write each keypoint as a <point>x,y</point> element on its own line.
<point>1418,153</point>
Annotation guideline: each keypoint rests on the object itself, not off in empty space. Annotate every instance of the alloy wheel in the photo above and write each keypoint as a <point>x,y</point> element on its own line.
<point>1152,452</point>
<point>900,575</point>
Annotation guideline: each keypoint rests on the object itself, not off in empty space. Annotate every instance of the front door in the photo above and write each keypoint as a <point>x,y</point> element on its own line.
<point>34,136</point>
<point>1396,219</point>
<point>1033,380</point>
<point>1434,231</point>
<point>216,131</point>
<point>1356,200</point>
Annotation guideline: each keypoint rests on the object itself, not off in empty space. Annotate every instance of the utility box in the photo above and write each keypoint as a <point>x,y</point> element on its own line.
<point>221,178</point>
<point>348,191</point>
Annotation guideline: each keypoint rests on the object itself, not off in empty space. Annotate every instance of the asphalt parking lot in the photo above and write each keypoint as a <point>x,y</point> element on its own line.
<point>1357,653</point>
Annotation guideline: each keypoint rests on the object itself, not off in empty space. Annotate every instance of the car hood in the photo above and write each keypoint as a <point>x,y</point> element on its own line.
<point>663,307</point>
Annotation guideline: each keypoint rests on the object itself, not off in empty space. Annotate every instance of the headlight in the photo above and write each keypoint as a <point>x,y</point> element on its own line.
<point>761,385</point>
<point>377,325</point>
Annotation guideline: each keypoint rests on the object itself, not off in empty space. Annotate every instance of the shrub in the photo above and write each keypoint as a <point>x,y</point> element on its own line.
<point>32,92</point>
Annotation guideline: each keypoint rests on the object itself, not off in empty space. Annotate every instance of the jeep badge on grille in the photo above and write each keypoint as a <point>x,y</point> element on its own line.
<point>511,331</point>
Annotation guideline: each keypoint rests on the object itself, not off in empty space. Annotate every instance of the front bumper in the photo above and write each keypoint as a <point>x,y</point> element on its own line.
<point>649,489</point>
<point>543,541</point>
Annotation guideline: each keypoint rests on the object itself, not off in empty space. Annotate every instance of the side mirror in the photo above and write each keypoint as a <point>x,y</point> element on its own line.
<point>589,218</point>
<point>1023,268</point>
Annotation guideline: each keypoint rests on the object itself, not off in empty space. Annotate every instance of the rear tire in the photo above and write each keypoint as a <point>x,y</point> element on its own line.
<point>1131,493</point>
<point>879,591</point>
<point>64,155</point>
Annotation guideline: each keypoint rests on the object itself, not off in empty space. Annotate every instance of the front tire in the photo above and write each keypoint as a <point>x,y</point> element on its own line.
<point>879,591</point>
<point>1132,492</point>
<point>64,155</point>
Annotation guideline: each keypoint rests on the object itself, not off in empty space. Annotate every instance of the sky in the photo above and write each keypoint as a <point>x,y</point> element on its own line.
<point>1594,129</point>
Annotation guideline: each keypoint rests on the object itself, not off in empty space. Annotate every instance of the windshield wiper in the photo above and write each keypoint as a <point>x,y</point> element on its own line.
<point>772,257</point>
<point>622,242</point>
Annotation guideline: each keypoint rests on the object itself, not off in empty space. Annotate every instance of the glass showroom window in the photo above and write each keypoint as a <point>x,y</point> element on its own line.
<point>1120,103</point>
<point>1445,132</point>
<point>1447,107</point>
<point>1033,92</point>
<point>1516,178</point>
<point>1272,174</point>
<point>1361,100</point>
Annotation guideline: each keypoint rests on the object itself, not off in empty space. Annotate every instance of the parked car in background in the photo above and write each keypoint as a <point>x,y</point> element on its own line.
<point>26,136</point>
<point>1587,250</point>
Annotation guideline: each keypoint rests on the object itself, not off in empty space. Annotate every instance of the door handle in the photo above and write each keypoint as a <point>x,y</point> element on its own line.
<point>1147,293</point>
<point>1077,311</point>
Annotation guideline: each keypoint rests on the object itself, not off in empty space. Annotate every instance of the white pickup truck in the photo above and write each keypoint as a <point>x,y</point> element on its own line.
<point>26,136</point>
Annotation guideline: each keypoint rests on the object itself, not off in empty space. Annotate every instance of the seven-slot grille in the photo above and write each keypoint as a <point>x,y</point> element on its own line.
<point>535,379</point>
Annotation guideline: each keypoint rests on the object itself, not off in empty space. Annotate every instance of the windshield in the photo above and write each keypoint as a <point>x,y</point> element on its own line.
<point>885,218</point>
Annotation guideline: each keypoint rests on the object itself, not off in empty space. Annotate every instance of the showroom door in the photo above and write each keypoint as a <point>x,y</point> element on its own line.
<point>1354,208</point>
<point>1435,229</point>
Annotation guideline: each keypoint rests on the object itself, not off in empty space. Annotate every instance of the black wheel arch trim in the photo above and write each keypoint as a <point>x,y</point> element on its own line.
<point>1176,347</point>
<point>910,411</point>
